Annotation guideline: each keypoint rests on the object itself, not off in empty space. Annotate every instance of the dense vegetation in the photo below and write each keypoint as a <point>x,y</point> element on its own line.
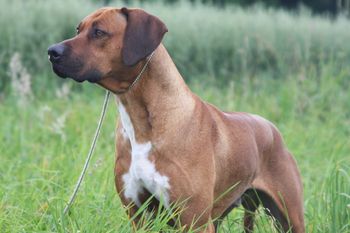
<point>330,7</point>
<point>293,69</point>
<point>221,44</point>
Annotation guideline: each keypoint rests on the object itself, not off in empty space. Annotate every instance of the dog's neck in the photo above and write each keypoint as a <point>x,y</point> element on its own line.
<point>159,100</point>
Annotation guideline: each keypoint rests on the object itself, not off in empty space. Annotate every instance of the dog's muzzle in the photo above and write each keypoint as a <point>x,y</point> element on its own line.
<point>55,53</point>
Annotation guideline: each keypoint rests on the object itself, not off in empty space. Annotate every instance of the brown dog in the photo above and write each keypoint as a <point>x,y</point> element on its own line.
<point>170,144</point>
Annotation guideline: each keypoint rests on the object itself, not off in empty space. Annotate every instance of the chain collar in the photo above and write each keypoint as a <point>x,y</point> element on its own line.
<point>138,76</point>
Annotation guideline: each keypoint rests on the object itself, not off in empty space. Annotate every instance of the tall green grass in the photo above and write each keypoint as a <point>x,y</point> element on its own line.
<point>41,155</point>
<point>221,44</point>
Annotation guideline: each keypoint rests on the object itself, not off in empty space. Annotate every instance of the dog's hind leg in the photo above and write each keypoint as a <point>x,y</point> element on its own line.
<point>279,189</point>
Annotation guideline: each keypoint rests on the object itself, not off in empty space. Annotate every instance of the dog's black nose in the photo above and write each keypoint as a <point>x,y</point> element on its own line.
<point>55,52</point>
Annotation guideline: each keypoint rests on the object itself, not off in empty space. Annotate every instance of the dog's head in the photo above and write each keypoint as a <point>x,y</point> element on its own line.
<point>107,41</point>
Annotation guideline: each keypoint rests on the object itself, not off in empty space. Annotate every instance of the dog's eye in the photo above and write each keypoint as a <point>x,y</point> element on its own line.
<point>77,30</point>
<point>98,33</point>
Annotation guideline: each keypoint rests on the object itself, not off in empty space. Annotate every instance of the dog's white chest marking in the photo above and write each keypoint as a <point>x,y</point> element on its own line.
<point>142,173</point>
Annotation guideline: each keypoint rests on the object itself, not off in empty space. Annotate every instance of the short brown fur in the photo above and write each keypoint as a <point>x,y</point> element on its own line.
<point>202,150</point>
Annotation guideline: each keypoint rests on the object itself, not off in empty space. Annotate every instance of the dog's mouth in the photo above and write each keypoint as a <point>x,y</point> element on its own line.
<point>61,71</point>
<point>67,64</point>
<point>58,71</point>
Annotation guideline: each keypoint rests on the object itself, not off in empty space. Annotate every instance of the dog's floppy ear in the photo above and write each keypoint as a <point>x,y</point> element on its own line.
<point>143,34</point>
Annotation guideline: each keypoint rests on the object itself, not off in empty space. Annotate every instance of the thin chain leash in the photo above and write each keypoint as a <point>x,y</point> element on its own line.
<point>97,133</point>
<point>91,151</point>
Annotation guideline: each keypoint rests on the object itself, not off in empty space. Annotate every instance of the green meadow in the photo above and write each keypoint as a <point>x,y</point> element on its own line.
<point>291,68</point>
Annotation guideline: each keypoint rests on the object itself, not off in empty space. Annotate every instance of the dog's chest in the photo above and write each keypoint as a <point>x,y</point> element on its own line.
<point>142,172</point>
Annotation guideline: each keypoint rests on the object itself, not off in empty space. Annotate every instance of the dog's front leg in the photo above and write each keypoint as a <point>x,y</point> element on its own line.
<point>197,215</point>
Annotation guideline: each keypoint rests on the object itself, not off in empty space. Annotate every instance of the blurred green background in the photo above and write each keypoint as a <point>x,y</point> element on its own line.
<point>288,61</point>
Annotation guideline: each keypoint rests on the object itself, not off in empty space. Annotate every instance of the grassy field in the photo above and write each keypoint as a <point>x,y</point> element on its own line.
<point>292,69</point>
<point>220,44</point>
